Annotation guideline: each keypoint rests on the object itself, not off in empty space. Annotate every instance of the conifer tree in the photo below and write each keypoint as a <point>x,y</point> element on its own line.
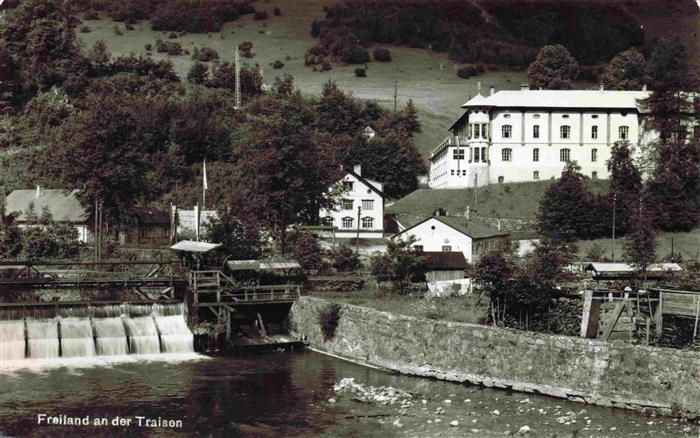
<point>625,185</point>
<point>565,208</point>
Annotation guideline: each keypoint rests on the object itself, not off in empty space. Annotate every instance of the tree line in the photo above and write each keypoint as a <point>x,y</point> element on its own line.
<point>128,131</point>
<point>510,36</point>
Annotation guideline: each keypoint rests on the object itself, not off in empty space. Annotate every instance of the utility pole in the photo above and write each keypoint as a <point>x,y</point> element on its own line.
<point>94,237</point>
<point>237,69</point>
<point>475,180</point>
<point>357,240</point>
<point>396,86</point>
<point>613,226</point>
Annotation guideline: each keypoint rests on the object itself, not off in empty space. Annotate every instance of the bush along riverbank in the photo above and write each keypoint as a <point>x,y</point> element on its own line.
<point>641,378</point>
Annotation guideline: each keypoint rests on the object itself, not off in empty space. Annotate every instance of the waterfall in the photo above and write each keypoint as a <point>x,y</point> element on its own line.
<point>143,335</point>
<point>110,336</point>
<point>12,343</point>
<point>43,338</point>
<point>76,338</point>
<point>175,336</point>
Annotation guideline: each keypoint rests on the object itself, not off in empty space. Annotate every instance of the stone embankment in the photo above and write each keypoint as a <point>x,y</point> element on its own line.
<point>612,374</point>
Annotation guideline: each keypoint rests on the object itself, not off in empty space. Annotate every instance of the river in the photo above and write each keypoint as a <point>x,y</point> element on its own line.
<point>284,394</point>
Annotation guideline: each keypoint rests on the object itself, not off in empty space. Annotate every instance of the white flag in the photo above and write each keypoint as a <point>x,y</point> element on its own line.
<point>204,176</point>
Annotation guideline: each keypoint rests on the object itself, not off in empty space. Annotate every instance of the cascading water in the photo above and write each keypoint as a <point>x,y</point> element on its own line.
<point>110,336</point>
<point>12,340</point>
<point>43,338</point>
<point>89,331</point>
<point>143,335</point>
<point>175,336</point>
<point>76,338</point>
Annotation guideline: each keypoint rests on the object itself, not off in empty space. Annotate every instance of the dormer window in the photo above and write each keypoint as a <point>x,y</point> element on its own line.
<point>347,186</point>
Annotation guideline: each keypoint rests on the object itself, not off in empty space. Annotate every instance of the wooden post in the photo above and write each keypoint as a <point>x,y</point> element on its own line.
<point>697,316</point>
<point>660,315</point>
<point>228,325</point>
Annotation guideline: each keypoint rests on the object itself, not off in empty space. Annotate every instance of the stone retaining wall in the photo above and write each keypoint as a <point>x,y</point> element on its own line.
<point>615,374</point>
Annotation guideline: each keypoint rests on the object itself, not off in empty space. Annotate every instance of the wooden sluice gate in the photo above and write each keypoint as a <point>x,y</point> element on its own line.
<point>244,313</point>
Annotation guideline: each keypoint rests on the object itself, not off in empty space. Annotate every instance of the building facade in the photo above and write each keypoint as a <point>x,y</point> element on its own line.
<point>454,234</point>
<point>63,205</point>
<point>529,135</point>
<point>358,195</point>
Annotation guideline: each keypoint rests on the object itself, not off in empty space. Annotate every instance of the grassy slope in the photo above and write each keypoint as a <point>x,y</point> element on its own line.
<point>427,78</point>
<point>511,200</point>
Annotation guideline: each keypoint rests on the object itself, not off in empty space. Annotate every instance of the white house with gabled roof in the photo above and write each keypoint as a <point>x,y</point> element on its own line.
<point>529,135</point>
<point>361,197</point>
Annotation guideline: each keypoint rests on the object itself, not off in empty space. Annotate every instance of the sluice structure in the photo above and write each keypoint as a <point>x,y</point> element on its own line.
<point>145,313</point>
<point>90,336</point>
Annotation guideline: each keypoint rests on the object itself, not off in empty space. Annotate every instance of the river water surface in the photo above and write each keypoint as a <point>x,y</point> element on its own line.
<point>286,394</point>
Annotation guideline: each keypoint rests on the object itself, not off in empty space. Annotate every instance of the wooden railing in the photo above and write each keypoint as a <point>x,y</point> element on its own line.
<point>214,288</point>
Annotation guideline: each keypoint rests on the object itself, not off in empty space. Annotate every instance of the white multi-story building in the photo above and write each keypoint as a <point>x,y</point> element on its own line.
<point>360,196</point>
<point>529,135</point>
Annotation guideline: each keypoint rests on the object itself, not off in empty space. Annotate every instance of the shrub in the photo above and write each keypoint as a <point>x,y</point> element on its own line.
<point>325,66</point>
<point>344,259</point>
<point>92,15</point>
<point>169,47</point>
<point>277,12</point>
<point>381,54</point>
<point>172,35</point>
<point>463,73</point>
<point>118,30</point>
<point>329,320</point>
<point>128,26</point>
<point>206,54</point>
<point>85,29</point>
<point>277,64</point>
<point>468,70</point>
<point>260,15</point>
<point>360,72</point>
<point>305,249</point>
<point>246,48</point>
<point>148,47</point>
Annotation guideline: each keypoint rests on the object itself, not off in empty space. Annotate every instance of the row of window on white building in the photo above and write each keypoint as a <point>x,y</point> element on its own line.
<point>507,155</point>
<point>349,222</point>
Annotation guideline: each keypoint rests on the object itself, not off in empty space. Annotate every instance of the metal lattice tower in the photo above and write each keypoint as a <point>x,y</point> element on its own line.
<point>237,68</point>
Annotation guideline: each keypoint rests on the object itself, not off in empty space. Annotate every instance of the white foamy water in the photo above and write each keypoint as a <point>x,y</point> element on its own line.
<point>110,336</point>
<point>42,337</point>
<point>76,338</point>
<point>175,336</point>
<point>143,335</point>
<point>12,343</point>
<point>77,363</point>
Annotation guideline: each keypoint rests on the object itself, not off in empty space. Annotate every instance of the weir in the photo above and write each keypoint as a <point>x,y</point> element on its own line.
<point>98,331</point>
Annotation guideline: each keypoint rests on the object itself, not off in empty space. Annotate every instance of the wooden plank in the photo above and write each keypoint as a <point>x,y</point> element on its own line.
<point>612,321</point>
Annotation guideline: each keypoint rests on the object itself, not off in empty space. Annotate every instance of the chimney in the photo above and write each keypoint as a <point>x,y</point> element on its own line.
<point>478,87</point>
<point>524,87</point>
<point>38,192</point>
<point>492,90</point>
<point>466,214</point>
<point>499,224</point>
<point>644,87</point>
<point>358,169</point>
<point>601,86</point>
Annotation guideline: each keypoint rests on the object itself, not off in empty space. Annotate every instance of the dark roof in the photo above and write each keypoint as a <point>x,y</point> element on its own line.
<point>366,182</point>
<point>472,228</point>
<point>150,216</point>
<point>445,261</point>
<point>63,205</point>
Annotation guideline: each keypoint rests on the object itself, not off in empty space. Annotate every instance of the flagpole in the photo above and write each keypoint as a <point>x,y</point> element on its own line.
<point>204,184</point>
